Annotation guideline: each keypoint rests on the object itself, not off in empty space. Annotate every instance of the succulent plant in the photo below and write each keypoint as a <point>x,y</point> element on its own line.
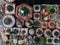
<point>23,32</point>
<point>23,11</point>
<point>39,32</point>
<point>10,8</point>
<point>36,23</point>
<point>36,39</point>
<point>49,40</point>
<point>7,21</point>
<point>15,31</point>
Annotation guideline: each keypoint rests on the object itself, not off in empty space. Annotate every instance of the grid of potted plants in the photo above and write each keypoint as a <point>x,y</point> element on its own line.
<point>24,24</point>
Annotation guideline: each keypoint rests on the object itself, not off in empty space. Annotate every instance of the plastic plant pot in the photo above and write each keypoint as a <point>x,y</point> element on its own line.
<point>36,39</point>
<point>36,8</point>
<point>55,33</point>
<point>47,32</point>
<point>39,32</point>
<point>31,31</point>
<point>29,23</point>
<point>43,40</point>
<point>24,11</point>
<point>36,23</point>
<point>9,8</point>
<point>8,21</point>
<point>37,16</point>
